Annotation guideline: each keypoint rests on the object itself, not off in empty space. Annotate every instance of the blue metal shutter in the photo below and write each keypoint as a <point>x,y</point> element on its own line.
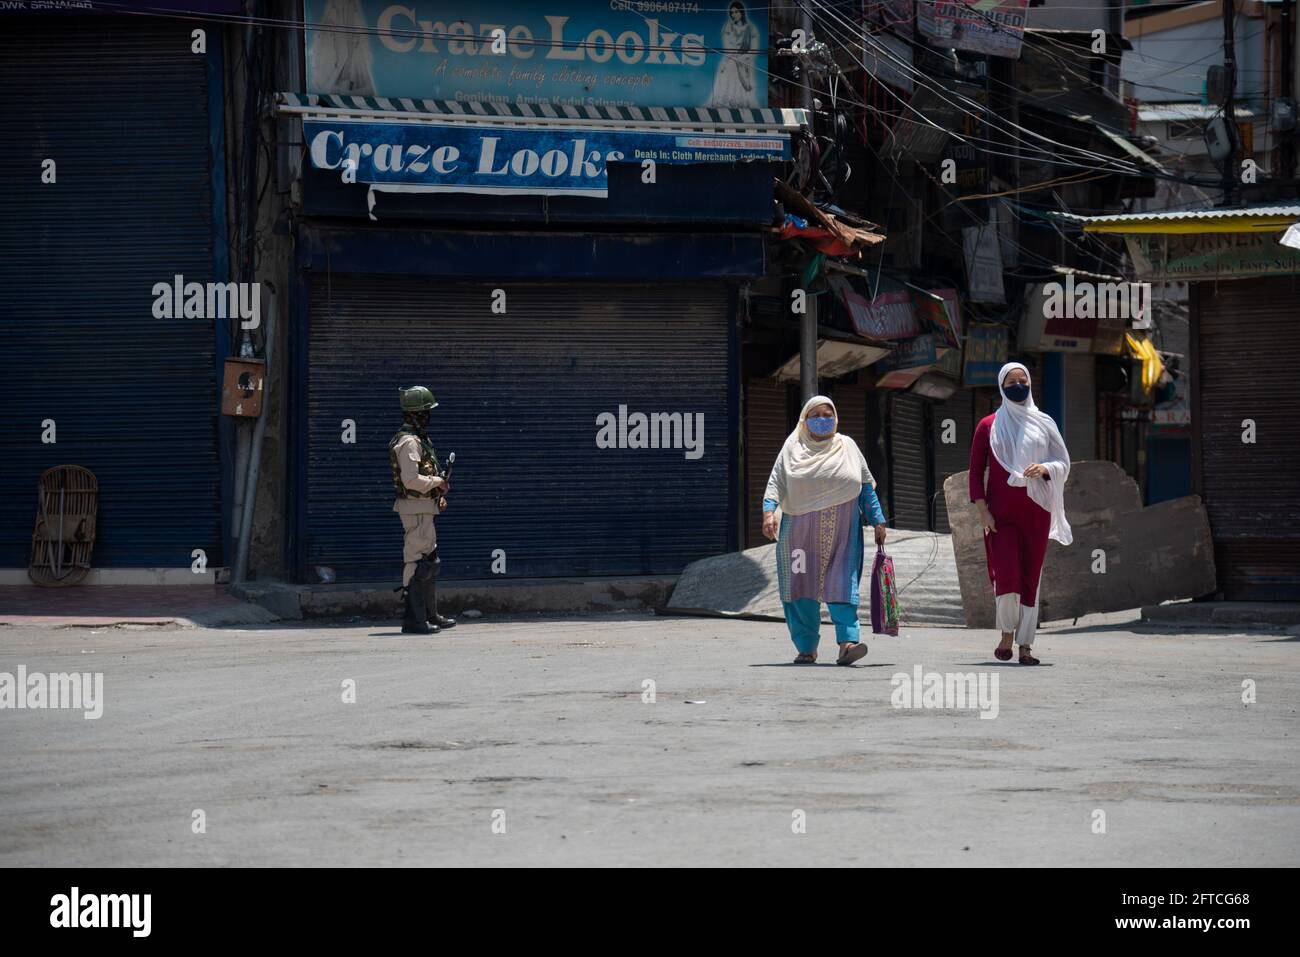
<point>909,471</point>
<point>519,395</point>
<point>767,414</point>
<point>951,458</point>
<point>121,106</point>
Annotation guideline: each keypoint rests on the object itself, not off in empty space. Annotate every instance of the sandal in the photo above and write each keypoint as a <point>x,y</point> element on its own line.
<point>806,658</point>
<point>1026,658</point>
<point>851,651</point>
<point>1002,654</point>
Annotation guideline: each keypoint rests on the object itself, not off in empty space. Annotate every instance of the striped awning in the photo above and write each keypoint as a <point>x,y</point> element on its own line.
<point>606,117</point>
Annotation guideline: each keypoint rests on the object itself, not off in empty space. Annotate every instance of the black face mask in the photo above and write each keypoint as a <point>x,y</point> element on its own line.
<point>1016,392</point>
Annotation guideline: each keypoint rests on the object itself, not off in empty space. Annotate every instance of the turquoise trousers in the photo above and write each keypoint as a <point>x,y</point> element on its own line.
<point>803,618</point>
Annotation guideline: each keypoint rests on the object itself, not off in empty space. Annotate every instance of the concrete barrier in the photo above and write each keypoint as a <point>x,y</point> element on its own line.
<point>1153,554</point>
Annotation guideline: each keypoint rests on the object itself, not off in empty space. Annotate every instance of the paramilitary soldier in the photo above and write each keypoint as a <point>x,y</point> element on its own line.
<point>421,495</point>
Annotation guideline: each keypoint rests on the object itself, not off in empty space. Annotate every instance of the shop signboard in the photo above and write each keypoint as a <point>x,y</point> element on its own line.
<point>986,354</point>
<point>993,27</point>
<point>1183,256</point>
<point>939,313</point>
<point>508,160</point>
<point>907,362</point>
<point>887,317</point>
<point>983,264</point>
<point>574,54</point>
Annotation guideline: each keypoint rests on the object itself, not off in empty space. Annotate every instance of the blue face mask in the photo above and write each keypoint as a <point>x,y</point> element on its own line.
<point>1016,392</point>
<point>822,426</point>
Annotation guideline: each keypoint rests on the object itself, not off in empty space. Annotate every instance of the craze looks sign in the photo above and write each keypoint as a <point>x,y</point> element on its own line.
<point>574,53</point>
<point>434,158</point>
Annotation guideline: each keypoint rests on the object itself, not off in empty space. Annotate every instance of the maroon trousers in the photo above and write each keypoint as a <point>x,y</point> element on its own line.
<point>1016,550</point>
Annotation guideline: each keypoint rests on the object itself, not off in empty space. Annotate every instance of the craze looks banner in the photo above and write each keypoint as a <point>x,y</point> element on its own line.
<point>552,52</point>
<point>995,27</point>
<point>433,158</point>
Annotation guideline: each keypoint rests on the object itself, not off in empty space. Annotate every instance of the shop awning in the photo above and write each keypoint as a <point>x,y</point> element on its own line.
<point>405,109</point>
<point>1245,219</point>
<point>410,146</point>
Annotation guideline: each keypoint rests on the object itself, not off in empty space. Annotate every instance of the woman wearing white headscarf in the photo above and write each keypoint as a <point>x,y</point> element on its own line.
<point>1022,506</point>
<point>825,492</point>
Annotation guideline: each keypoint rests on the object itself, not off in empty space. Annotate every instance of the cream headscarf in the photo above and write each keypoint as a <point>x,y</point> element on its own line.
<point>1023,436</point>
<point>810,475</point>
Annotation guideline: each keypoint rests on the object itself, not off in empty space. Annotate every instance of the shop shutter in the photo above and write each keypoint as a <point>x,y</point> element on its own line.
<point>766,417</point>
<point>951,458</point>
<point>851,407</point>
<point>1247,354</point>
<point>121,105</point>
<point>519,395</point>
<point>1081,406</point>
<point>909,472</point>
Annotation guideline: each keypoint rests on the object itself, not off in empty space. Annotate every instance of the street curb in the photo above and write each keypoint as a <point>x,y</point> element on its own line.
<point>514,596</point>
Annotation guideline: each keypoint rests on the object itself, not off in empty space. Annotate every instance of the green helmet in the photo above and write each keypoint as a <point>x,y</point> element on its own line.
<point>417,399</point>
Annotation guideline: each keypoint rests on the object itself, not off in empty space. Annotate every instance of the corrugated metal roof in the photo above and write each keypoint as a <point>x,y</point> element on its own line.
<point>1240,219</point>
<point>1252,212</point>
<point>1159,113</point>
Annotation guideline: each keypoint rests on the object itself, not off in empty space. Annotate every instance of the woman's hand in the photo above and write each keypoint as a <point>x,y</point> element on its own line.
<point>986,517</point>
<point>1036,471</point>
<point>769,525</point>
<point>880,534</point>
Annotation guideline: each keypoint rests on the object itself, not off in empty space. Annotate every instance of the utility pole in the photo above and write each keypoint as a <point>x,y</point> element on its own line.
<point>808,320</point>
<point>1229,101</point>
<point>1286,90</point>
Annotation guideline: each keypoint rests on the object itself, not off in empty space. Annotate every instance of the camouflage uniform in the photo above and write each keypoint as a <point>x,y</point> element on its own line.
<point>419,485</point>
<point>417,494</point>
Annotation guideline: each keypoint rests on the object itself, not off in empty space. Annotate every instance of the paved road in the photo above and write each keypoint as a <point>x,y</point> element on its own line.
<point>543,719</point>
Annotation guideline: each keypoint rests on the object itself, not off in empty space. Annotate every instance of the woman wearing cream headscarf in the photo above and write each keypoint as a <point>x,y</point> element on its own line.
<point>825,492</point>
<point>1023,506</point>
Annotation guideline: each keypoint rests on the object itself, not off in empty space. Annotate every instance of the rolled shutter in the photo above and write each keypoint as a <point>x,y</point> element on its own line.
<point>519,397</point>
<point>1247,355</point>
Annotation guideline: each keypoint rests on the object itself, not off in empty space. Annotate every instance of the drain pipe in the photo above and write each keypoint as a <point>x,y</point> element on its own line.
<point>255,453</point>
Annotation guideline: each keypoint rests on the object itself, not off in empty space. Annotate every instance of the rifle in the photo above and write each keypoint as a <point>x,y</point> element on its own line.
<point>446,473</point>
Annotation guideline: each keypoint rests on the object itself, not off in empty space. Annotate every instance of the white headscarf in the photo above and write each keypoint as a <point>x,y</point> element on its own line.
<point>812,474</point>
<point>1023,436</point>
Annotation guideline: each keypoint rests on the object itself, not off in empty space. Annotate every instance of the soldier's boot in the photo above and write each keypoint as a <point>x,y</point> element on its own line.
<point>414,610</point>
<point>436,620</point>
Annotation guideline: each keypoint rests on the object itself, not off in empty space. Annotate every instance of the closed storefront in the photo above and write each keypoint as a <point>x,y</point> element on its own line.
<point>1080,405</point>
<point>909,493</point>
<point>955,419</point>
<point>1246,445</point>
<point>112,183</point>
<point>541,487</point>
<point>574,311</point>
<point>851,406</point>
<point>767,415</point>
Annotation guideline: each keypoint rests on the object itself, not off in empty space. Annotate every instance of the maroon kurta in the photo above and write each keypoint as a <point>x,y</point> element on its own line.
<point>1016,550</point>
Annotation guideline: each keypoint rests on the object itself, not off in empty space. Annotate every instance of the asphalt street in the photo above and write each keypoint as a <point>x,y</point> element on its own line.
<point>534,742</point>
